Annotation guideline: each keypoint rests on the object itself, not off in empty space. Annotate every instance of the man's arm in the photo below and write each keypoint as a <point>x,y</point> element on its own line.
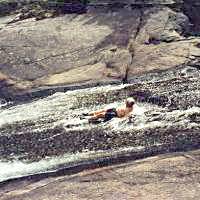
<point>97,112</point>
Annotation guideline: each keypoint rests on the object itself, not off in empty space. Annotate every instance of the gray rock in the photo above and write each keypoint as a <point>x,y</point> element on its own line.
<point>59,48</point>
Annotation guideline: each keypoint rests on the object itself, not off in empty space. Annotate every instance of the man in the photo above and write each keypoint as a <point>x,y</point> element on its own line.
<point>108,114</point>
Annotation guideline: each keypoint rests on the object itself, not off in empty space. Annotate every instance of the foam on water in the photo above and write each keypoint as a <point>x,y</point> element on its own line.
<point>138,119</point>
<point>98,89</point>
<point>139,110</point>
<point>16,169</point>
<point>9,170</point>
<point>58,104</point>
<point>76,123</point>
<point>52,105</point>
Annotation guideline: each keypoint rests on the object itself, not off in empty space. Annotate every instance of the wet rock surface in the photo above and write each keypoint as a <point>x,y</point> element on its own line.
<point>169,176</point>
<point>154,47</point>
<point>76,49</point>
<point>167,113</point>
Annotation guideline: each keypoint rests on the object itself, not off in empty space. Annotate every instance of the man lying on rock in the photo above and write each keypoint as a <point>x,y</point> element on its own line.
<point>108,114</point>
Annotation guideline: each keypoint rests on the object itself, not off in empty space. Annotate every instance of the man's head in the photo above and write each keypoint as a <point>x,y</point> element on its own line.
<point>130,102</point>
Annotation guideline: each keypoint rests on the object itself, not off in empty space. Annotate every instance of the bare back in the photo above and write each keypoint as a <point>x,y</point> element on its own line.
<point>124,111</point>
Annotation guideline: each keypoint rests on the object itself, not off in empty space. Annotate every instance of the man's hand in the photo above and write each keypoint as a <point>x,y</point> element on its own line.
<point>131,118</point>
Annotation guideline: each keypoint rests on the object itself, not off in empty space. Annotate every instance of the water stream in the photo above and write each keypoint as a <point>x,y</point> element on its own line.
<point>39,121</point>
<point>58,107</point>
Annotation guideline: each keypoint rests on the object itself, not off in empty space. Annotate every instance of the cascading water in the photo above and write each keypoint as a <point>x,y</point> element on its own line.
<point>60,109</point>
<point>51,133</point>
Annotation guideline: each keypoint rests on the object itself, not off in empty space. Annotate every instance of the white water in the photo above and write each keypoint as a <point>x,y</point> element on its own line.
<point>16,169</point>
<point>55,105</point>
<point>59,105</point>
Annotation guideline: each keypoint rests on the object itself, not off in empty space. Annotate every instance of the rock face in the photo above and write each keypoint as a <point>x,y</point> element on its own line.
<point>152,45</point>
<point>170,176</point>
<point>166,120</point>
<point>100,46</point>
<point>71,49</point>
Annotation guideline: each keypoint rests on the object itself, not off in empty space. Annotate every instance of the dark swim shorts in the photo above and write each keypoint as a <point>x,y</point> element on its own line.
<point>110,113</point>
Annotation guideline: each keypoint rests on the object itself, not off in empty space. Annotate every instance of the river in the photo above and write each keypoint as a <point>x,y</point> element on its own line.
<point>50,134</point>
